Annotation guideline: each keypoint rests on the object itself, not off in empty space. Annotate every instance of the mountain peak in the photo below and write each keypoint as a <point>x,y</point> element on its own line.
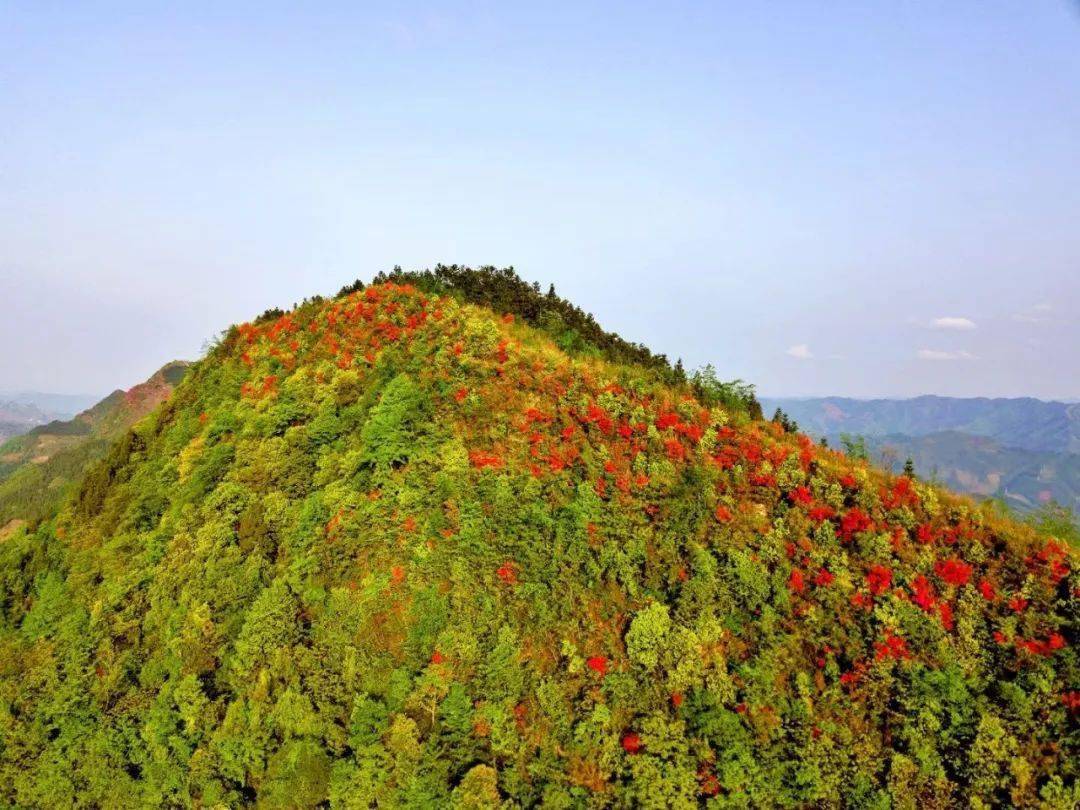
<point>399,548</point>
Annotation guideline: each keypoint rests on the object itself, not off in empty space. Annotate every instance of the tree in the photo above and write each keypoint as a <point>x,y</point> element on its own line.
<point>855,446</point>
<point>390,433</point>
<point>734,396</point>
<point>478,790</point>
<point>647,635</point>
<point>786,422</point>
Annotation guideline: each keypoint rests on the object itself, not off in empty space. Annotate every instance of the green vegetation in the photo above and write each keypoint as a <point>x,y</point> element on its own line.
<point>1058,521</point>
<point>41,469</point>
<point>396,549</point>
<point>34,492</point>
<point>573,330</point>
<point>855,446</point>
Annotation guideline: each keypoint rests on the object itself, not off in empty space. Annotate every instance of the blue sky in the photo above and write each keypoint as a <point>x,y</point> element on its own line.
<point>798,193</point>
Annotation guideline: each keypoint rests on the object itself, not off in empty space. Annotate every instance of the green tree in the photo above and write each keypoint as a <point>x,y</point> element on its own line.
<point>389,436</point>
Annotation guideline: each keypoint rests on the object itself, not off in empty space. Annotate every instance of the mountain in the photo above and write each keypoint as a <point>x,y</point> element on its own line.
<point>18,417</point>
<point>1023,479</point>
<point>426,544</point>
<point>1030,424</point>
<point>38,469</point>
<point>58,406</point>
<point>1025,452</point>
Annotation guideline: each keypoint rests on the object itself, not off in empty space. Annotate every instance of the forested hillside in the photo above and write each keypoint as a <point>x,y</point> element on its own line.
<point>38,470</point>
<point>398,549</point>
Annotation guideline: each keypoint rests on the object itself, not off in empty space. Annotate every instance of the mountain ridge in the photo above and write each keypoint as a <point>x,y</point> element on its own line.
<point>39,467</point>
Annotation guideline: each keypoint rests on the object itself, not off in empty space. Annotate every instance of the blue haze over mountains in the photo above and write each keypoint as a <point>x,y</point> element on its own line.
<point>1024,451</point>
<point>21,412</point>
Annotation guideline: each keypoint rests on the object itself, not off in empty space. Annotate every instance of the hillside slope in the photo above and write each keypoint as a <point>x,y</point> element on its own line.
<point>40,468</point>
<point>396,550</point>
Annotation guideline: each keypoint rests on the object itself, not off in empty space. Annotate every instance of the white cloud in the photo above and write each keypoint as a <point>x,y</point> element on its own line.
<point>1039,313</point>
<point>936,354</point>
<point>952,322</point>
<point>800,351</point>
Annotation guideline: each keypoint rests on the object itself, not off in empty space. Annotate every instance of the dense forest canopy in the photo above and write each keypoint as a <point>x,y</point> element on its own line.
<point>573,330</point>
<point>414,546</point>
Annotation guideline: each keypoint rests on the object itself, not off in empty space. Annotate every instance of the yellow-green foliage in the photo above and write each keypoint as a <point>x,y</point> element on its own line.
<point>398,550</point>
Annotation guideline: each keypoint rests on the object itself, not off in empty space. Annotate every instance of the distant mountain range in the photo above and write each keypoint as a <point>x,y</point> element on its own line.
<point>62,405</point>
<point>23,411</point>
<point>1025,451</point>
<point>1031,424</point>
<point>40,464</point>
<point>17,417</point>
